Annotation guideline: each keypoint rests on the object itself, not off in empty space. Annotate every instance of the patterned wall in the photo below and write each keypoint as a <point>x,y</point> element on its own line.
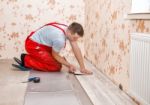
<point>108,35</point>
<point>19,17</point>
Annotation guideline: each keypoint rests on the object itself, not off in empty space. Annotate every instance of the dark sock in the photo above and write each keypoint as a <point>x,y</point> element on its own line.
<point>22,58</point>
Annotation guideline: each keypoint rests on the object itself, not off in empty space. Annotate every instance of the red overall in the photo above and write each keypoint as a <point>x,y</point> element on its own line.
<point>39,56</point>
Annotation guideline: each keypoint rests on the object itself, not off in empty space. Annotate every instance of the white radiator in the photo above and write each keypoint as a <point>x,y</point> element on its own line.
<point>140,67</point>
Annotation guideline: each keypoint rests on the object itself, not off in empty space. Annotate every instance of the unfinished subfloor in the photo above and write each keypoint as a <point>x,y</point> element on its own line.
<point>59,88</point>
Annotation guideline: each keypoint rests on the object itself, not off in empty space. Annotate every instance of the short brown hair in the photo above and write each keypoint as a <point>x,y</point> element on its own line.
<point>76,28</point>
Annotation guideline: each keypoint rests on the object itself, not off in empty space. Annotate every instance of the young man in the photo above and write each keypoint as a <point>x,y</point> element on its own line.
<point>43,47</point>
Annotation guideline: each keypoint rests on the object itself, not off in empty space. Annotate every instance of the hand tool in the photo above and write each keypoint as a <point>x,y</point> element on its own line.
<point>33,79</point>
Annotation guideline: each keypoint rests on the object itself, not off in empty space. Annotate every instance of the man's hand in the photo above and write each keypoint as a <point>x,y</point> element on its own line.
<point>85,71</point>
<point>72,68</point>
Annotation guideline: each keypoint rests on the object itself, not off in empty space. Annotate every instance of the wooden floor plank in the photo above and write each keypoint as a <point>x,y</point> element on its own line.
<point>101,90</point>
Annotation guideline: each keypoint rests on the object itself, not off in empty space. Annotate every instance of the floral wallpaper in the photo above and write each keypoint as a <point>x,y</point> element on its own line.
<point>107,37</point>
<point>107,33</point>
<point>19,17</point>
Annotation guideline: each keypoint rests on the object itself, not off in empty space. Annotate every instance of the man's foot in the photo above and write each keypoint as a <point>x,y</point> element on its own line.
<point>22,68</point>
<point>18,61</point>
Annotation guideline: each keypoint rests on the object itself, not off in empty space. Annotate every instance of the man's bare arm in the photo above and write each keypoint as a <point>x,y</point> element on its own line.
<point>78,55</point>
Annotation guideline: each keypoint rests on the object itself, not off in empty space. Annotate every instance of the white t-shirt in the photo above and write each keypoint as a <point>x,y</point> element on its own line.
<point>50,36</point>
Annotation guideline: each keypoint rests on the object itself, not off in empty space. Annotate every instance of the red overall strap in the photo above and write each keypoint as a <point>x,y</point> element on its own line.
<point>54,24</point>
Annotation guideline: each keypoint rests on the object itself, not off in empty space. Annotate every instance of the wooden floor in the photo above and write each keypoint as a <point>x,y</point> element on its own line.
<point>101,90</point>
<point>98,87</point>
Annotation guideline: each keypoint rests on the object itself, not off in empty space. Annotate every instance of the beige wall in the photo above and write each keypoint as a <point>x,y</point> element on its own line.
<point>107,38</point>
<point>19,17</point>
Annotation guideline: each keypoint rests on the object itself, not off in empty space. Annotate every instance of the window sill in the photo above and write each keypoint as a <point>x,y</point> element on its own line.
<point>135,16</point>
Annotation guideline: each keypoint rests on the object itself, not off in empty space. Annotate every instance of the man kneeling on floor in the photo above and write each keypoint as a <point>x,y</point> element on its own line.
<point>43,47</point>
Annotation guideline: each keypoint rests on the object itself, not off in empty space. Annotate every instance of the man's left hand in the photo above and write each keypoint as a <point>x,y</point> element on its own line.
<point>85,71</point>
